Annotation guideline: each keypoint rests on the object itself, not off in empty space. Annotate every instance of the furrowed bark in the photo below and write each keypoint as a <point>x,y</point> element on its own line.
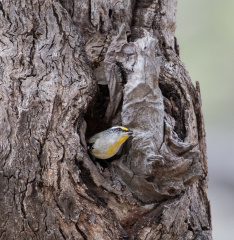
<point>70,69</point>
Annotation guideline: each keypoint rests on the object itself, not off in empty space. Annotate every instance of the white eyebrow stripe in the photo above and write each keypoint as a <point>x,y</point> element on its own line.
<point>116,127</point>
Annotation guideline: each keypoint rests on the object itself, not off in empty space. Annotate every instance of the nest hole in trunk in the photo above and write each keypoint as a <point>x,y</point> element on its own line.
<point>96,112</point>
<point>95,117</point>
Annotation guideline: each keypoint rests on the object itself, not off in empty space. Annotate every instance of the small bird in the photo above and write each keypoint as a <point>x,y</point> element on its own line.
<point>106,144</point>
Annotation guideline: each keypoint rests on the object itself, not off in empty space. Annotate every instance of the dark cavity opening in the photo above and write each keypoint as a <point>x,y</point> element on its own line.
<point>110,13</point>
<point>96,112</point>
<point>177,111</point>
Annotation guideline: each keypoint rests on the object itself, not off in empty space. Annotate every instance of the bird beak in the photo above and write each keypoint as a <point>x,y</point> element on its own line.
<point>130,132</point>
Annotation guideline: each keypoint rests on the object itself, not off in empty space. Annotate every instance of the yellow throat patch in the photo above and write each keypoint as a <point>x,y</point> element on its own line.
<point>114,148</point>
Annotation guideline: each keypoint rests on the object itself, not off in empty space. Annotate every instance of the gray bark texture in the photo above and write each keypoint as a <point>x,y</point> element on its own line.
<point>69,69</point>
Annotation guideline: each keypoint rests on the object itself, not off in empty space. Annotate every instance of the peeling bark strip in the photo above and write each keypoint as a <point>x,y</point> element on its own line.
<point>70,69</point>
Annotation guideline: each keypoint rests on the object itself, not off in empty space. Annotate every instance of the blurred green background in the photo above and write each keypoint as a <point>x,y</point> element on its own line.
<point>205,34</point>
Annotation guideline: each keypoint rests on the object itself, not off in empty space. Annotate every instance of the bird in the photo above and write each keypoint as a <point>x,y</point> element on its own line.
<point>106,144</point>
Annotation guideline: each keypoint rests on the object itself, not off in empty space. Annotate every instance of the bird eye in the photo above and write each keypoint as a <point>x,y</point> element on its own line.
<point>90,146</point>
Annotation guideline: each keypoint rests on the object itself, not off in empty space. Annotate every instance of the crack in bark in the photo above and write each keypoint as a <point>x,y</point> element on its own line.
<point>81,232</point>
<point>57,19</point>
<point>61,231</point>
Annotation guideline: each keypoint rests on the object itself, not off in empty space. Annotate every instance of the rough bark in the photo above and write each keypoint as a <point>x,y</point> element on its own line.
<point>73,68</point>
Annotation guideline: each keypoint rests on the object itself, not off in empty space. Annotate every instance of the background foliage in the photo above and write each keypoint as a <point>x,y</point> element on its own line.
<point>206,37</point>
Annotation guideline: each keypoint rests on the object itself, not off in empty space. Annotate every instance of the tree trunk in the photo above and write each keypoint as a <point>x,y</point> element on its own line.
<point>70,69</point>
